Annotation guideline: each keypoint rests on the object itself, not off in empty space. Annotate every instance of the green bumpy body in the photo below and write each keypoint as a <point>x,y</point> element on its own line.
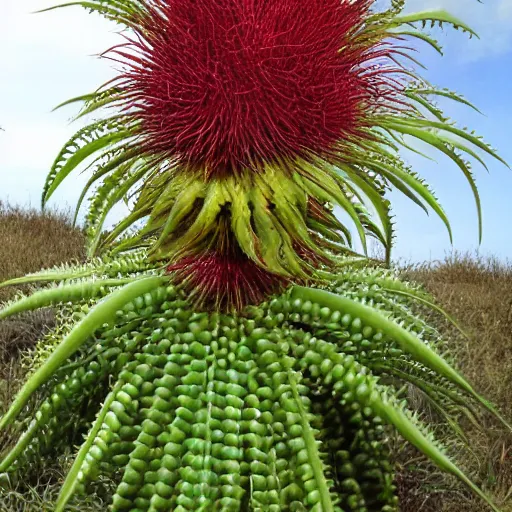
<point>276,408</point>
<point>285,405</point>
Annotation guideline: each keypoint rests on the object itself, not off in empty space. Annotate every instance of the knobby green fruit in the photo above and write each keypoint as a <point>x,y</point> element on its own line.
<point>228,349</point>
<point>278,407</point>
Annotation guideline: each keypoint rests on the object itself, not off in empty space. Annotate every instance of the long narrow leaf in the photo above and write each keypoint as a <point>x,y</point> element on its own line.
<point>441,16</point>
<point>69,486</point>
<point>104,312</point>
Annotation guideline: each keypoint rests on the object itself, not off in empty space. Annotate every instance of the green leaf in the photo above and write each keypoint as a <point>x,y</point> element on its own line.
<point>77,99</point>
<point>63,167</point>
<point>106,197</point>
<point>46,275</point>
<point>109,8</point>
<point>102,313</point>
<point>447,94</point>
<point>460,146</point>
<point>401,141</point>
<point>420,35</point>
<point>314,458</point>
<point>60,294</point>
<point>409,431</point>
<point>426,104</point>
<point>124,224</point>
<point>391,173</point>
<point>449,128</point>
<point>441,16</point>
<point>433,140</point>
<point>319,189</point>
<point>69,486</point>
<point>116,157</point>
<point>420,298</point>
<point>100,99</point>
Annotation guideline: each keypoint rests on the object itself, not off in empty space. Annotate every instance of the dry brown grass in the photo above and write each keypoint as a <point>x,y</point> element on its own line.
<point>30,241</point>
<point>476,291</point>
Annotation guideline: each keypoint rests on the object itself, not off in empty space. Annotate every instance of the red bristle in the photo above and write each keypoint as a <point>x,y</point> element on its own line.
<point>307,254</point>
<point>222,276</point>
<point>228,84</point>
<point>225,281</point>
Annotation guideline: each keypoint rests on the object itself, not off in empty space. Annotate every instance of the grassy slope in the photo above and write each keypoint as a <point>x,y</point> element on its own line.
<point>477,292</point>
<point>30,241</point>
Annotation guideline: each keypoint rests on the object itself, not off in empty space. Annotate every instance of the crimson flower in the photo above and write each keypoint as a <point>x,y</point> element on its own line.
<point>249,121</point>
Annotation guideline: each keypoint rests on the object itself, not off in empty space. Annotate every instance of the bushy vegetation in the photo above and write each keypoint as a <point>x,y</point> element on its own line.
<point>476,291</point>
<point>29,241</point>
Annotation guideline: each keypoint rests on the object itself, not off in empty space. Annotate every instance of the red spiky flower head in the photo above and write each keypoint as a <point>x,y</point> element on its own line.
<point>224,86</point>
<point>241,123</point>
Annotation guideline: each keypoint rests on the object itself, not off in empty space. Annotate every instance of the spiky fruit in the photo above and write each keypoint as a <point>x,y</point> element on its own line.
<point>239,126</point>
<point>248,122</point>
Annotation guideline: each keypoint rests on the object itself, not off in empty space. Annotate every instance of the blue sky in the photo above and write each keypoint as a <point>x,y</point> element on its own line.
<point>48,58</point>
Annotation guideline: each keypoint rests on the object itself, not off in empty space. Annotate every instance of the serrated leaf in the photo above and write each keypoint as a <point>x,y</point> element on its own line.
<point>440,16</point>
<point>420,35</point>
<point>65,164</point>
<point>109,9</point>
<point>447,94</point>
<point>393,172</point>
<point>434,141</point>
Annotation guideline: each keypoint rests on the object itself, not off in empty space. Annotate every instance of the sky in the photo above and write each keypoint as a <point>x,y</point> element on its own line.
<point>50,57</point>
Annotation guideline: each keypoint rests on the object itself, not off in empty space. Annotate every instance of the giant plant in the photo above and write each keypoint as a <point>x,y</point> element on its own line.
<point>223,349</point>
